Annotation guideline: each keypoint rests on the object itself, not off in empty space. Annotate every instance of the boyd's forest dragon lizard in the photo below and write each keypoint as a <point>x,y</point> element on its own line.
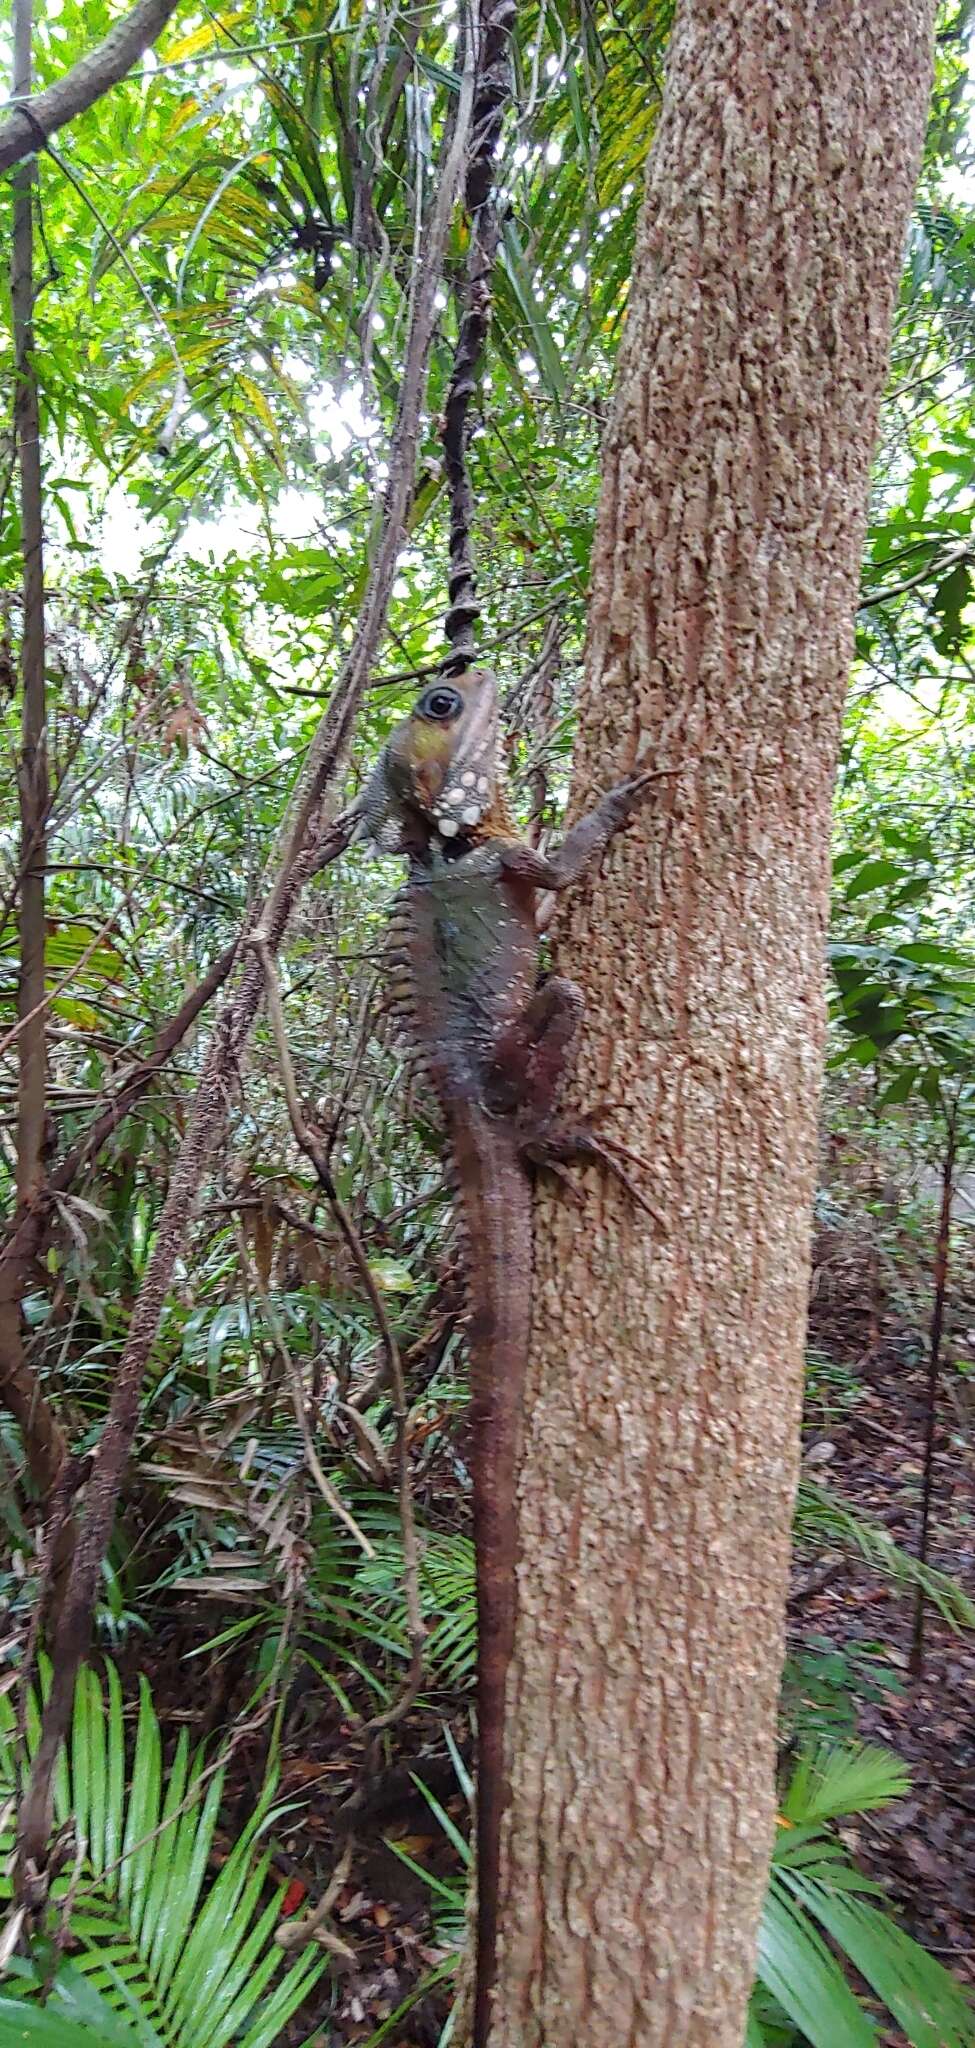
<point>493,1046</point>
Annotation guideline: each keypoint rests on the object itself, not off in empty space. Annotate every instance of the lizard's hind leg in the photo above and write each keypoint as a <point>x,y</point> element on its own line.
<point>531,1054</point>
<point>529,1062</point>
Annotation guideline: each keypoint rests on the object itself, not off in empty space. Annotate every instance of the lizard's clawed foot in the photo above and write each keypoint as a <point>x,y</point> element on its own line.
<point>554,1146</point>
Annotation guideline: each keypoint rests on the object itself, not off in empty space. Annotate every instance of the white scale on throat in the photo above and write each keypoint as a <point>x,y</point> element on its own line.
<point>462,804</point>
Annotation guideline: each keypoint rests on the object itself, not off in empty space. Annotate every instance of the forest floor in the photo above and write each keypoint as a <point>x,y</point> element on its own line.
<point>864,1439</point>
<point>849,1636</point>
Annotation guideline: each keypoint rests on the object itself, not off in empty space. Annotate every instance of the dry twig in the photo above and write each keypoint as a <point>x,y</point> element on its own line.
<point>296,1934</point>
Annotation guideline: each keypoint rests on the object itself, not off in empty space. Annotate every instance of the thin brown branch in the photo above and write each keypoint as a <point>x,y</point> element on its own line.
<point>297,856</point>
<point>360,1043</point>
<point>22,1244</point>
<point>21,1034</point>
<point>44,1441</point>
<point>933,572</point>
<point>313,1147</point>
<point>330,1494</point>
<point>296,1934</point>
<point>140,1077</point>
<point>41,114</point>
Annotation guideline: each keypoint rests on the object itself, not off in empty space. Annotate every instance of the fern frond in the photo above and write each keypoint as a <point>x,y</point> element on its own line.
<point>171,1960</point>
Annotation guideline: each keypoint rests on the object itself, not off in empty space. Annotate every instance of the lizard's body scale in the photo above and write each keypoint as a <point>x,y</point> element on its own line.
<point>466,937</point>
<point>463,961</point>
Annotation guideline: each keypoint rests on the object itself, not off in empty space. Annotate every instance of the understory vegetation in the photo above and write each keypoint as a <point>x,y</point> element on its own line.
<point>262,1812</point>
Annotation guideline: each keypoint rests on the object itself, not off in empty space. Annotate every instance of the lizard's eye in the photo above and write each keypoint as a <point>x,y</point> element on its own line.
<point>441,703</point>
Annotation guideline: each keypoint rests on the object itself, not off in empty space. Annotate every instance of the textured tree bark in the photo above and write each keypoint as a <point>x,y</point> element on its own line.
<point>665,1382</point>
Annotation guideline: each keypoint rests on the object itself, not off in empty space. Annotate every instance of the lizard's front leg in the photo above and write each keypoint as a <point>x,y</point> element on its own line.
<point>586,840</point>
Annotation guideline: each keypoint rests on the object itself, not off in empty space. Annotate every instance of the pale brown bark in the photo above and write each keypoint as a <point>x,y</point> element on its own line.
<point>665,1379</point>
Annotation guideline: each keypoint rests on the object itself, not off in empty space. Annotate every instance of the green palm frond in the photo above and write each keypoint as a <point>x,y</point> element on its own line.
<point>448,1589</point>
<point>820,1913</point>
<point>805,1979</point>
<point>822,1519</point>
<point>447,1593</point>
<point>181,1964</point>
<point>927,2004</point>
<point>74,2015</point>
<point>31,2026</point>
<point>830,1783</point>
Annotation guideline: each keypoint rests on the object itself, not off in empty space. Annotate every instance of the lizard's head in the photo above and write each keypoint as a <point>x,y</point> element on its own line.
<point>442,760</point>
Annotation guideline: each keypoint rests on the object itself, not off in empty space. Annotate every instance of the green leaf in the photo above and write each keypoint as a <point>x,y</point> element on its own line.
<point>823,1520</point>
<point>392,1276</point>
<point>834,1782</point>
<point>899,1089</point>
<point>875,874</point>
<point>458,1842</point>
<point>924,953</point>
<point>115,1779</point>
<point>23,2025</point>
<point>539,338</point>
<point>283,2003</point>
<point>863,1050</point>
<point>143,1809</point>
<point>167,1972</point>
<point>932,2009</point>
<point>795,1964</point>
<point>158,1889</point>
<point>948,602</point>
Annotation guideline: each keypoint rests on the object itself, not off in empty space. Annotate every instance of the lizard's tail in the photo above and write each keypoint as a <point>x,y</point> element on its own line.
<point>496,1204</point>
<point>495,1446</point>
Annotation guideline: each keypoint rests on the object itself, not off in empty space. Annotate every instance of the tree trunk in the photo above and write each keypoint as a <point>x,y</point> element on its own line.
<point>665,1381</point>
<point>32,1041</point>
